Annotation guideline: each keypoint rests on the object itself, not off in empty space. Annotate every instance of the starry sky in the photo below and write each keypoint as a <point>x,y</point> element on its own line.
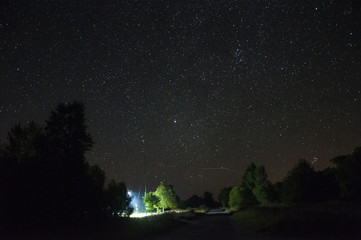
<point>191,91</point>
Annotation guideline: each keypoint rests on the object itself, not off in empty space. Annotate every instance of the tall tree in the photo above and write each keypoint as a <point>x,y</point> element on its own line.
<point>166,195</point>
<point>248,177</point>
<point>67,132</point>
<point>67,141</point>
<point>262,189</point>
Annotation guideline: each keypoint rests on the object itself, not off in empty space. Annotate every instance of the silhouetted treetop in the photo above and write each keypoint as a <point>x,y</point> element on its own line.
<point>24,142</point>
<point>67,130</point>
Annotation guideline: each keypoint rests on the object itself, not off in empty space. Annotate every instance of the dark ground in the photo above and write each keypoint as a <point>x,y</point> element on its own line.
<point>211,226</point>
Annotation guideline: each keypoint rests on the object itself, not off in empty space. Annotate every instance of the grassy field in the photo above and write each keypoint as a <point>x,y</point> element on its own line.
<point>316,221</point>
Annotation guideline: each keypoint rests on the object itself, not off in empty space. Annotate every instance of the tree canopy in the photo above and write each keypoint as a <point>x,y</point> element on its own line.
<point>151,201</point>
<point>255,186</point>
<point>166,195</point>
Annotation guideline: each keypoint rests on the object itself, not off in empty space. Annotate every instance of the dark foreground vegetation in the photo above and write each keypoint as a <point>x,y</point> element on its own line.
<point>46,182</point>
<point>109,228</point>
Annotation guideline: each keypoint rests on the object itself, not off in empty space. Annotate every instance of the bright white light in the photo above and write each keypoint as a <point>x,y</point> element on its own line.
<point>142,214</point>
<point>129,193</point>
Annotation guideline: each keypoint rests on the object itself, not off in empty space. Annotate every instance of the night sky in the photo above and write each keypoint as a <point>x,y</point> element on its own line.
<point>194,90</point>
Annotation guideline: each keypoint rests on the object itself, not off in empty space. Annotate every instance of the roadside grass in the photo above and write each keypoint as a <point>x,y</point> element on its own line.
<point>201,209</point>
<point>329,220</point>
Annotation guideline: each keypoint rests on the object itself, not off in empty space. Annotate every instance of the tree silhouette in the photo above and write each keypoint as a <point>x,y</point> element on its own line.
<point>208,199</point>
<point>22,176</point>
<point>303,184</point>
<point>24,142</point>
<point>254,186</point>
<point>262,189</point>
<point>95,195</point>
<point>348,174</point>
<point>66,143</point>
<point>297,185</point>
<point>66,131</point>
<point>223,196</point>
<point>325,185</point>
<point>117,199</point>
<point>194,201</point>
<point>248,177</point>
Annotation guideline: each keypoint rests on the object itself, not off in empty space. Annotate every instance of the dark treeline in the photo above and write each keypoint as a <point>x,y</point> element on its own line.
<point>196,201</point>
<point>302,184</point>
<point>46,180</point>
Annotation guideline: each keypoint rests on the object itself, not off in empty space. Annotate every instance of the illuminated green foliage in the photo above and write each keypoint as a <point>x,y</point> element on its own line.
<point>235,197</point>
<point>166,195</point>
<point>151,201</point>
